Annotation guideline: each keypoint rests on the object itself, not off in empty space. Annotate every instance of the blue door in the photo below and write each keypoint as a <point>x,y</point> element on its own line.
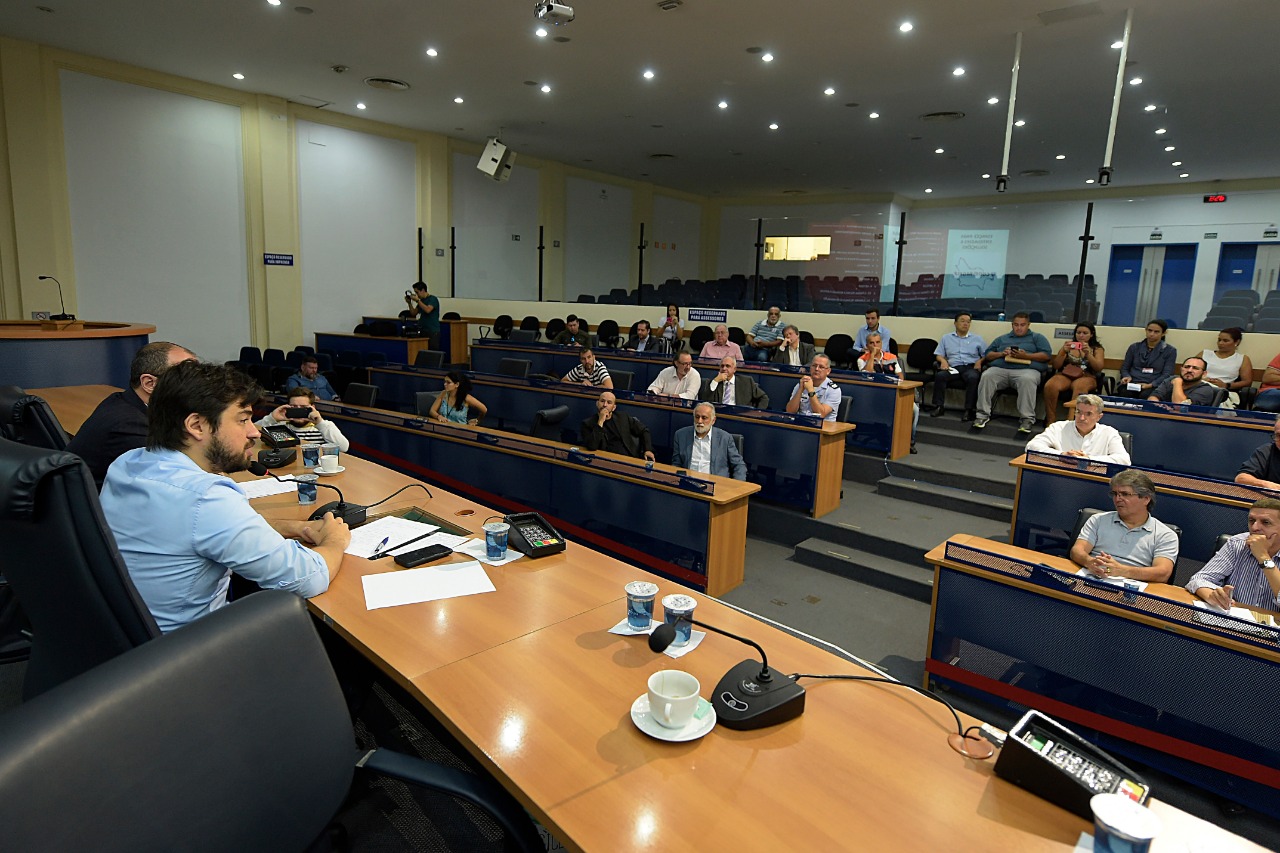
<point>1123,277</point>
<point>1175,284</point>
<point>1236,263</point>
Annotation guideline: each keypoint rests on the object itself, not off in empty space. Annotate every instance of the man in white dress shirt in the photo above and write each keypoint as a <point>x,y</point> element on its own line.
<point>705,449</point>
<point>678,380</point>
<point>1083,436</point>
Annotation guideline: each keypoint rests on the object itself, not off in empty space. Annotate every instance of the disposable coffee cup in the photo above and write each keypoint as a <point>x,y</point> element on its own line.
<point>329,464</point>
<point>306,488</point>
<point>673,697</point>
<point>1122,826</point>
<point>495,539</point>
<point>640,596</point>
<point>310,455</point>
<point>674,607</point>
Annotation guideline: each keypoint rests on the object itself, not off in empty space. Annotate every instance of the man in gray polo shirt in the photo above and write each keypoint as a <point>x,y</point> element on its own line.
<point>1128,543</point>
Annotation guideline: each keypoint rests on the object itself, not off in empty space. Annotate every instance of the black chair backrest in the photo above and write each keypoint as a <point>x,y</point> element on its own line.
<point>349,358</point>
<point>304,348</point>
<point>361,329</point>
<point>188,731</point>
<point>27,419</point>
<point>698,339</point>
<point>554,327</point>
<point>838,349</point>
<point>451,315</point>
<point>383,328</point>
<point>807,337</point>
<point>62,562</point>
<point>1126,438</point>
<point>502,326</point>
<point>1081,517</point>
<point>518,367</point>
<point>522,336</point>
<point>360,394</point>
<point>846,405</point>
<point>1219,396</point>
<point>920,354</point>
<point>273,357</point>
<point>428,358</point>
<point>607,332</point>
<point>423,401</point>
<point>532,324</point>
<point>546,422</point>
<point>293,358</point>
<point>250,355</point>
<point>738,335</point>
<point>738,440</point>
<point>622,379</point>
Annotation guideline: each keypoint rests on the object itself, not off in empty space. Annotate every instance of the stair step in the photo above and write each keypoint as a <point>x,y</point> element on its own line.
<point>999,438</point>
<point>913,581</point>
<point>984,505</point>
<point>959,469</point>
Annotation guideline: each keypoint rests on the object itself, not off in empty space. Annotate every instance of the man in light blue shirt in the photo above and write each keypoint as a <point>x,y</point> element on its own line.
<point>959,357</point>
<point>815,394</point>
<point>309,377</point>
<point>765,336</point>
<point>183,526</point>
<point>873,325</point>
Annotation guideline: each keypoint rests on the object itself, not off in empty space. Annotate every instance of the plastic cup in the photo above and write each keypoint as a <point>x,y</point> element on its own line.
<point>640,596</point>
<point>1122,826</point>
<point>674,607</point>
<point>495,539</point>
<point>307,488</point>
<point>310,455</point>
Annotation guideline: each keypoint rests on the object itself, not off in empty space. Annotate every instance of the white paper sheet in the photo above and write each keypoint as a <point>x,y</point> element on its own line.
<point>365,539</point>
<point>478,549</point>
<point>266,486</point>
<point>429,583</point>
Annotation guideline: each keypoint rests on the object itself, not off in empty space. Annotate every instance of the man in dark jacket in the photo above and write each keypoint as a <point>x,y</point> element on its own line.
<point>614,431</point>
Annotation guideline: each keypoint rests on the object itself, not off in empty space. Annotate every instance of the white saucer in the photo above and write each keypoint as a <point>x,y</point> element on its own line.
<point>646,723</point>
<point>337,470</point>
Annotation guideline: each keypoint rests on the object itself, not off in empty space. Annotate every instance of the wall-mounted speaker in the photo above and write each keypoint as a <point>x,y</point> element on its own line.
<point>497,160</point>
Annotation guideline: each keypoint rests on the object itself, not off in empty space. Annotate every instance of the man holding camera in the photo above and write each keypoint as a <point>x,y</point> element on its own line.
<point>426,308</point>
<point>305,420</point>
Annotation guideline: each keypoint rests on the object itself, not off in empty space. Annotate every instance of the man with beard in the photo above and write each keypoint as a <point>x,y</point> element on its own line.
<point>183,526</point>
<point>705,449</point>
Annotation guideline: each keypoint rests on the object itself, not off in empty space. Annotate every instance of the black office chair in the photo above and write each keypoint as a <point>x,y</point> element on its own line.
<point>698,338</point>
<point>523,336</point>
<point>27,419</point>
<point>229,734</point>
<point>921,360</point>
<point>608,334</point>
<point>423,401</point>
<point>846,406</point>
<point>64,568</point>
<point>1126,438</point>
<point>738,440</point>
<point>738,336</point>
<point>807,337</point>
<point>501,328</point>
<point>274,357</point>
<point>839,348</point>
<point>517,367</point>
<point>622,379</point>
<point>250,355</point>
<point>429,358</point>
<point>532,324</point>
<point>554,327</point>
<point>360,394</point>
<point>546,422</point>
<point>451,315</point>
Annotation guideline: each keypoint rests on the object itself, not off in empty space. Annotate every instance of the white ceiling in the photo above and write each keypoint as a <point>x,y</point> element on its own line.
<point>1211,67</point>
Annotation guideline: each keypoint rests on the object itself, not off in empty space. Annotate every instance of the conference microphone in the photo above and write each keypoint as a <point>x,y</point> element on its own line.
<point>352,514</point>
<point>64,315</point>
<point>749,696</point>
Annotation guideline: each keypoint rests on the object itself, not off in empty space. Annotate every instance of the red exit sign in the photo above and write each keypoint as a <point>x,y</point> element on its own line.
<point>1215,199</point>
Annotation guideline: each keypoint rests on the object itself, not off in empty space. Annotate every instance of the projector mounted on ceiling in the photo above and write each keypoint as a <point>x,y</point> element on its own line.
<point>553,13</point>
<point>497,160</point>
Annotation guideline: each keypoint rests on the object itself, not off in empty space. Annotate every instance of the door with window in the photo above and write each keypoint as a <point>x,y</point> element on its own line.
<point>1147,282</point>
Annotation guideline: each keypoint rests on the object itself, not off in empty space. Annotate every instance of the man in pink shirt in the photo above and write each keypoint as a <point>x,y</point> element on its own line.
<point>720,346</point>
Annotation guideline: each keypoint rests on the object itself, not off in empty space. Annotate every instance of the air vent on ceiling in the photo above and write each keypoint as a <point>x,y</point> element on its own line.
<point>307,101</point>
<point>1069,13</point>
<point>795,192</point>
<point>943,116</point>
<point>388,83</point>
<point>662,156</point>
<point>668,5</point>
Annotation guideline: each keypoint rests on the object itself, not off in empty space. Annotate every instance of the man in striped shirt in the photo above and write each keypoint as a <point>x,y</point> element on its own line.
<point>589,371</point>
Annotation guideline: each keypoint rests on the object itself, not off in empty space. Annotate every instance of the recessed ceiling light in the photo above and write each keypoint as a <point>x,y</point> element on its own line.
<point>724,105</point>
<point>937,151</point>
<point>993,100</point>
<point>1061,157</point>
<point>986,175</point>
<point>540,32</point>
<point>457,100</point>
<point>1116,45</point>
<point>928,189</point>
<point>648,74</point>
<point>766,57</point>
<point>1136,81</point>
<point>431,51</point>
<point>959,72</point>
<point>1170,148</point>
<point>1185,175</point>
<point>360,106</point>
<point>828,91</point>
<point>1089,180</point>
<point>1019,123</point>
<point>873,115</point>
<point>773,126</point>
<point>1176,163</point>
<point>1149,108</point>
<point>238,76</point>
<point>906,27</point>
<point>274,2</point>
<point>546,88</point>
<point>1160,131</point>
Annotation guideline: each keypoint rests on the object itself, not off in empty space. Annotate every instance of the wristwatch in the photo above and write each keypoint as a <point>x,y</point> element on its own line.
<point>1268,563</point>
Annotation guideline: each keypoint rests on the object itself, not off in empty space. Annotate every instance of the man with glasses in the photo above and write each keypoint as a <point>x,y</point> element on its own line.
<point>678,380</point>
<point>815,394</point>
<point>1083,436</point>
<point>1130,542</point>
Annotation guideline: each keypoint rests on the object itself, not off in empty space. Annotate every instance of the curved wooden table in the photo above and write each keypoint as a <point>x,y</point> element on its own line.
<point>43,354</point>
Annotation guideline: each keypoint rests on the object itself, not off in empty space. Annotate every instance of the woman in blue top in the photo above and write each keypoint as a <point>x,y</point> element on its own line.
<point>455,404</point>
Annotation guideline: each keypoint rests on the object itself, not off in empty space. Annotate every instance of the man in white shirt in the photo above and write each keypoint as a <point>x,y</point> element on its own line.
<point>1083,436</point>
<point>678,380</point>
<point>728,388</point>
<point>707,450</point>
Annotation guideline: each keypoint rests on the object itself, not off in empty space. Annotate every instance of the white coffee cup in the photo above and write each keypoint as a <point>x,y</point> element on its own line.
<point>329,464</point>
<point>673,697</point>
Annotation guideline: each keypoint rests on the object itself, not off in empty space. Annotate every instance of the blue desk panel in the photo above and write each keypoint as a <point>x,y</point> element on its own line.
<point>396,350</point>
<point>1191,439</point>
<point>54,362</point>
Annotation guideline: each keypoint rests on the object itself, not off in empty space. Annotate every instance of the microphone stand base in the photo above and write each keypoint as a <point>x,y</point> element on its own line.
<point>742,702</point>
<point>352,514</point>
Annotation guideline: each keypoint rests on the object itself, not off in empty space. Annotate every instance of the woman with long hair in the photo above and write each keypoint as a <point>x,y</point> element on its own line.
<point>1227,367</point>
<point>1078,366</point>
<point>455,404</point>
<point>671,328</point>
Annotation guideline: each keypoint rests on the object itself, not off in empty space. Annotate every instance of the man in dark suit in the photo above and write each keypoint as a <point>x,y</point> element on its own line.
<point>729,389</point>
<point>642,341</point>
<point>793,350</point>
<point>614,431</point>
<point>705,449</point>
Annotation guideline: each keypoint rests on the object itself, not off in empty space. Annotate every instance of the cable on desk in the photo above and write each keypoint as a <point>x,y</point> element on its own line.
<point>398,491</point>
<point>960,729</point>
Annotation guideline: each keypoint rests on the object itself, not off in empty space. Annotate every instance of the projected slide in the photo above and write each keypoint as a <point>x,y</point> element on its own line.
<point>975,264</point>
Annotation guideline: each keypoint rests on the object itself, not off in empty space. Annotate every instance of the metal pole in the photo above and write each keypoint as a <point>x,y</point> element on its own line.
<point>901,243</point>
<point>1104,174</point>
<point>640,270</point>
<point>756,295</point>
<point>453,258</point>
<point>1085,239</point>
<point>1002,180</point>
<point>541,247</point>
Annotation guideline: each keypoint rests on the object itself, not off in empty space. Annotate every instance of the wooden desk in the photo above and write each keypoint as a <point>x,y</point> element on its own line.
<point>396,349</point>
<point>1146,672</point>
<point>73,403</point>
<point>32,356</point>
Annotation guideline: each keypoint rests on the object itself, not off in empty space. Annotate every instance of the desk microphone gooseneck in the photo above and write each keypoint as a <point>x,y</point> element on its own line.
<point>749,696</point>
<point>64,315</point>
<point>352,514</point>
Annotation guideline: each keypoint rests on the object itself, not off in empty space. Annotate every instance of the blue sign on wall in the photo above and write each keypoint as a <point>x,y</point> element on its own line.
<point>274,260</point>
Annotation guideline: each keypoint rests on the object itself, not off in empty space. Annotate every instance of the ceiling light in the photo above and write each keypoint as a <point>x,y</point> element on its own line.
<point>1019,123</point>
<point>985,175</point>
<point>1089,180</point>
<point>1116,45</point>
<point>993,101</point>
<point>1149,108</point>
<point>928,189</point>
<point>724,105</point>
<point>828,91</point>
<point>1160,131</point>
<point>545,88</point>
<point>1185,175</point>
<point>457,100</point>
<point>431,51</point>
<point>360,106</point>
<point>1061,157</point>
<point>937,151</point>
<point>766,57</point>
<point>540,32</point>
<point>906,27</point>
<point>1170,148</point>
<point>238,76</point>
<point>1176,163</point>
<point>1136,81</point>
<point>648,75</point>
<point>958,72</point>
<point>274,2</point>
<point>873,115</point>
<point>773,126</point>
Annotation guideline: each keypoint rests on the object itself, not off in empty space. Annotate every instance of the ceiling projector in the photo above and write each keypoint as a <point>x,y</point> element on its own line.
<point>553,13</point>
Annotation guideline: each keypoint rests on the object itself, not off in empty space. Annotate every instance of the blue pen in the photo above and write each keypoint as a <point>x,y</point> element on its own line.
<point>377,551</point>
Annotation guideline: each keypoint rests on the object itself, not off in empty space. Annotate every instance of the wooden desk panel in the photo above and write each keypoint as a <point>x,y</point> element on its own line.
<point>74,403</point>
